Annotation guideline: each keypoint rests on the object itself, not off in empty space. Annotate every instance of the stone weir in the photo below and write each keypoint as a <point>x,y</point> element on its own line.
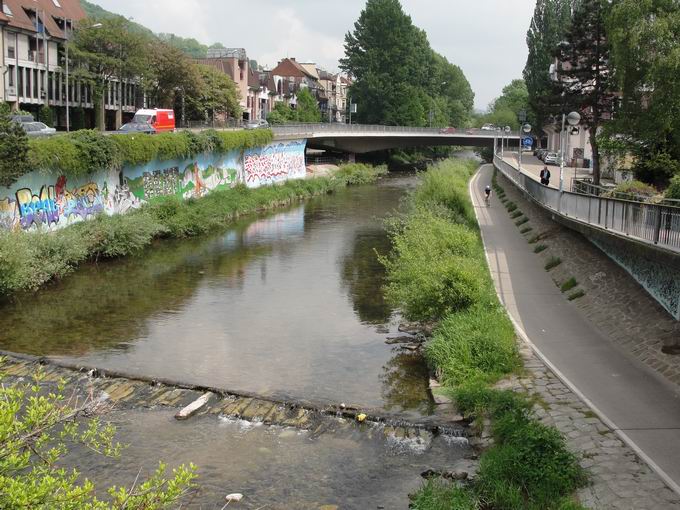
<point>134,392</point>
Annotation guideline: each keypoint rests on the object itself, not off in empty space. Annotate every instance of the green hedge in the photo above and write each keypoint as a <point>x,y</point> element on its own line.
<point>84,152</point>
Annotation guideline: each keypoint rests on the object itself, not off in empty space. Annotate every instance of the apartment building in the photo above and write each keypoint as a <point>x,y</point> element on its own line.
<point>234,63</point>
<point>33,65</point>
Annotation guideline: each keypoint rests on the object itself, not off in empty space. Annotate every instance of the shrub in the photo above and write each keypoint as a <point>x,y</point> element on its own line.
<point>475,343</point>
<point>522,221</point>
<point>552,263</point>
<point>576,295</point>
<point>569,284</point>
<point>511,206</point>
<point>358,173</point>
<point>119,235</point>
<point>673,191</point>
<point>437,494</point>
<point>540,248</point>
<point>525,230</point>
<point>14,160</point>
<point>638,189</point>
<point>516,214</point>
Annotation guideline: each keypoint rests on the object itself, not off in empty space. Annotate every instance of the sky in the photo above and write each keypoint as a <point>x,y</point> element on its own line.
<point>486,38</point>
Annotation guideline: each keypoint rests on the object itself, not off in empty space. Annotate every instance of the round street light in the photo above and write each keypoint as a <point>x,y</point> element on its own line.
<point>573,118</point>
<point>526,128</point>
<point>507,129</point>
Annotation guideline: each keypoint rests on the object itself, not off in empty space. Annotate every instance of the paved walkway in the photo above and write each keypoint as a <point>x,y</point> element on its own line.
<point>640,404</point>
<point>532,166</point>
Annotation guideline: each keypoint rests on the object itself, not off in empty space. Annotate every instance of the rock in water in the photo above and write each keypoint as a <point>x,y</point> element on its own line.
<point>235,497</point>
<point>399,340</point>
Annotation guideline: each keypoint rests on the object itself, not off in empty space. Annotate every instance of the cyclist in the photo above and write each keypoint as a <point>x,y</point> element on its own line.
<point>487,194</point>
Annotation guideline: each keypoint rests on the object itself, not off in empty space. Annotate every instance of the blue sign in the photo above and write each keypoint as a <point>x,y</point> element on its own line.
<point>527,142</point>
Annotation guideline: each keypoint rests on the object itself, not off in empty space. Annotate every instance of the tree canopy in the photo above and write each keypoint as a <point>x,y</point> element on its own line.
<point>13,148</point>
<point>398,78</point>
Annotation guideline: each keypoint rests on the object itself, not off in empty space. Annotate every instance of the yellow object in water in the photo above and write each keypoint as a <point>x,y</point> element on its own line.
<point>361,417</point>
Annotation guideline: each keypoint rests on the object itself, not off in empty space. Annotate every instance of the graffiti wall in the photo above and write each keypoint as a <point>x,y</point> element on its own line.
<point>38,201</point>
<point>274,163</point>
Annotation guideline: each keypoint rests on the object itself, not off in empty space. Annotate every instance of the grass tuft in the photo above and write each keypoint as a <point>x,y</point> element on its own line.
<point>522,221</point>
<point>516,214</point>
<point>576,295</point>
<point>552,263</point>
<point>569,284</point>
<point>525,230</point>
<point>540,248</point>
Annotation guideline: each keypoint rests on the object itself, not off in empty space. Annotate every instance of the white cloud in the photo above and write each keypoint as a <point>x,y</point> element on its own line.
<point>486,38</point>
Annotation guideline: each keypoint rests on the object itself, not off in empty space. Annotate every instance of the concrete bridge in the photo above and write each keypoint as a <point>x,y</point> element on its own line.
<point>360,138</point>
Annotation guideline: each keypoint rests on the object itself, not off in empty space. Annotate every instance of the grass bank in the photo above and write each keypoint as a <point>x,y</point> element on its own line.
<point>29,260</point>
<point>438,273</point>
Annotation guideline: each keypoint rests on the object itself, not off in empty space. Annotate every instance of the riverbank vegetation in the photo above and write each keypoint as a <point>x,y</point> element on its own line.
<point>438,273</point>
<point>37,430</point>
<point>29,260</point>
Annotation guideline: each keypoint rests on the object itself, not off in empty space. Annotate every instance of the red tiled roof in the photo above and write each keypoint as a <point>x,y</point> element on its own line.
<point>70,9</point>
<point>221,64</point>
<point>289,67</point>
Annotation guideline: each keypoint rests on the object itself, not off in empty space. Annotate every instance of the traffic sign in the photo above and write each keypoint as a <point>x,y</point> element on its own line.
<point>527,142</point>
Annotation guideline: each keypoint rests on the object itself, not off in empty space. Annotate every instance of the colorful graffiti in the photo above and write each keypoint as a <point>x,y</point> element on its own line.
<point>55,203</point>
<point>34,203</point>
<point>274,163</point>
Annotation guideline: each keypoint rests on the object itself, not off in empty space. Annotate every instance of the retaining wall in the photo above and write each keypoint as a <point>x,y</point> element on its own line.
<point>43,201</point>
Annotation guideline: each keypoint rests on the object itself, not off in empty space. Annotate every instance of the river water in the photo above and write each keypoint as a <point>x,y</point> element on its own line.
<point>286,304</point>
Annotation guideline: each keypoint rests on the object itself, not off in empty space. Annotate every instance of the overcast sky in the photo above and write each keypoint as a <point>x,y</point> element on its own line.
<point>486,38</point>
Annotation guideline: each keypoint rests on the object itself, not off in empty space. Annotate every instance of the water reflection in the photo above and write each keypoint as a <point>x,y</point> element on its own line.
<point>286,304</point>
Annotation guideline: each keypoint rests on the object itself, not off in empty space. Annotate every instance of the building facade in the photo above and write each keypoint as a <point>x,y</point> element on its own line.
<point>33,35</point>
<point>234,63</point>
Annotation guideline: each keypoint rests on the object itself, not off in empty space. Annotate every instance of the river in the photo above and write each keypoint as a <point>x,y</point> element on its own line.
<point>286,304</point>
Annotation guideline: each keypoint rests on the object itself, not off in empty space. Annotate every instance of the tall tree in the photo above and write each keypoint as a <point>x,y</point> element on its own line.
<point>217,94</point>
<point>13,149</point>
<point>109,51</point>
<point>549,24</point>
<point>645,50</point>
<point>307,109</point>
<point>388,57</point>
<point>584,72</point>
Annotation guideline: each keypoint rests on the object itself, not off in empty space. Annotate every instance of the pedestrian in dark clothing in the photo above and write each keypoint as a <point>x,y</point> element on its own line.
<point>545,176</point>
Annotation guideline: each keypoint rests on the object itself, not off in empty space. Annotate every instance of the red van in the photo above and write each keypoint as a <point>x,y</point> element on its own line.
<point>160,120</point>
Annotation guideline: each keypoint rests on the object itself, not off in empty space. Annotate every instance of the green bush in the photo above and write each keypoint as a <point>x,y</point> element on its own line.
<point>639,189</point>
<point>540,248</point>
<point>83,152</point>
<point>569,284</point>
<point>552,263</point>
<point>439,495</point>
<point>119,235</point>
<point>358,173</point>
<point>673,191</point>
<point>477,343</point>
<point>14,161</point>
<point>46,116</point>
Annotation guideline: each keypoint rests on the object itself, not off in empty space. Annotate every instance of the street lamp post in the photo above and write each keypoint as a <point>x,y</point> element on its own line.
<point>506,131</point>
<point>572,119</point>
<point>526,128</point>
<point>67,34</point>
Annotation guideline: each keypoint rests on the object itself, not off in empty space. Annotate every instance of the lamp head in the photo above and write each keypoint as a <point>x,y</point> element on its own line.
<point>573,118</point>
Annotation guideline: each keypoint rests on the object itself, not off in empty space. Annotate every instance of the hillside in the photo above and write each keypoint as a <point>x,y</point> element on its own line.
<point>190,46</point>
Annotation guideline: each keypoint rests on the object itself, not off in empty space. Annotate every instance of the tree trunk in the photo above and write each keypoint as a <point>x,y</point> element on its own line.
<point>596,155</point>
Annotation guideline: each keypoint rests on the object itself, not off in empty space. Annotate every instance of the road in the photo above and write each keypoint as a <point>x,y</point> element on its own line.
<point>639,402</point>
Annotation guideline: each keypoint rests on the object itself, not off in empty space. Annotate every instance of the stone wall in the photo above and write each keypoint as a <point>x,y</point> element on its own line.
<point>44,201</point>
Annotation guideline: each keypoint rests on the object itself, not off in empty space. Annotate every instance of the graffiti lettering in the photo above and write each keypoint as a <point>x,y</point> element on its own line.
<point>273,164</point>
<point>161,183</point>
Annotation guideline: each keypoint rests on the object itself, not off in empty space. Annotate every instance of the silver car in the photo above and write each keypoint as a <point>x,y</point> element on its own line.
<point>37,129</point>
<point>257,124</point>
<point>551,158</point>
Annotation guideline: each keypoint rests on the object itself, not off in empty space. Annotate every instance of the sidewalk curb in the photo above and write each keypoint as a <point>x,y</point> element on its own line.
<point>675,487</point>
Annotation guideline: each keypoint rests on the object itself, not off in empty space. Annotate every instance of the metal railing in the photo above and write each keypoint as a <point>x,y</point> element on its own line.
<point>655,224</point>
<point>332,127</point>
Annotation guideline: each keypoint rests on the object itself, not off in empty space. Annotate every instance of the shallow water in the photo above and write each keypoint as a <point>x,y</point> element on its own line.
<point>285,304</point>
<point>274,467</point>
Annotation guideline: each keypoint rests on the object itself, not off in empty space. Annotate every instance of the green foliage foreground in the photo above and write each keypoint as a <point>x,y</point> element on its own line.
<point>28,260</point>
<point>37,428</point>
<point>438,272</point>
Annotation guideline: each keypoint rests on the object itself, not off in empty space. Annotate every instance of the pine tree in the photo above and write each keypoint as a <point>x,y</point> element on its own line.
<point>583,71</point>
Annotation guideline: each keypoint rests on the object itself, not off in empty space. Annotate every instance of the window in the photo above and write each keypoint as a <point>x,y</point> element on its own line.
<point>7,10</point>
<point>11,52</point>
<point>56,2</point>
<point>10,78</point>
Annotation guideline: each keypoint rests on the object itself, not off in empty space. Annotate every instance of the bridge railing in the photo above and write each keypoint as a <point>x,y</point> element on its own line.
<point>320,128</point>
<point>655,224</point>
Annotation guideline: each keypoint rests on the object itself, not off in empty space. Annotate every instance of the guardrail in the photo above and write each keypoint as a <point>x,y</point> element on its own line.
<point>654,224</point>
<point>321,128</point>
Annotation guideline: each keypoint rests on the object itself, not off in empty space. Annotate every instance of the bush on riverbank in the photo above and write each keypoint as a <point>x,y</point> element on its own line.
<point>360,173</point>
<point>438,272</point>
<point>28,260</point>
<point>84,152</point>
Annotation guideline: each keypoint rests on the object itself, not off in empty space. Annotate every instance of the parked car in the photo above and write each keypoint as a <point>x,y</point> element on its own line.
<point>551,158</point>
<point>257,124</point>
<point>37,129</point>
<point>488,127</point>
<point>137,127</point>
<point>160,120</point>
<point>448,131</point>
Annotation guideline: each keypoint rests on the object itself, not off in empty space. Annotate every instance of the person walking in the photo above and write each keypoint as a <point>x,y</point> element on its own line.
<point>545,176</point>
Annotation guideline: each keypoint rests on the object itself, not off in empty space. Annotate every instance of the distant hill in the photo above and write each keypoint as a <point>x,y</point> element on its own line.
<point>190,46</point>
